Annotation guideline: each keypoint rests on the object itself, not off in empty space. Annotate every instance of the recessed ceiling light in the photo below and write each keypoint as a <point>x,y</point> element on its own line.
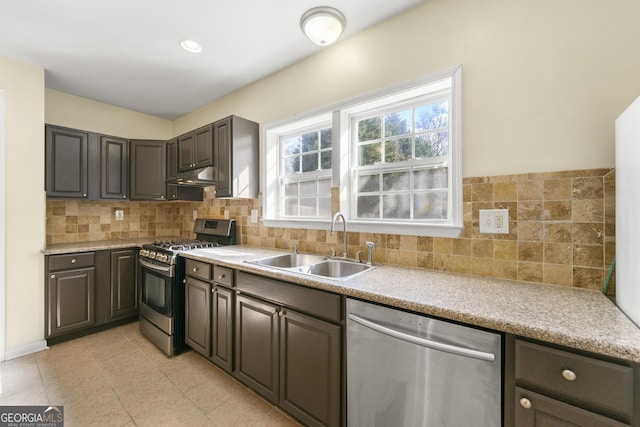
<point>191,46</point>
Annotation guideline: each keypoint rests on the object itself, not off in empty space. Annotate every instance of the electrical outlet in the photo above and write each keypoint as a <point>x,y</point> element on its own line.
<point>119,215</point>
<point>195,214</point>
<point>254,216</point>
<point>226,214</point>
<point>494,221</point>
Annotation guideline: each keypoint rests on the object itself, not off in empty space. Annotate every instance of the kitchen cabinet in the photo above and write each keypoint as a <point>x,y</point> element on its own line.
<point>236,157</point>
<point>148,170</point>
<point>288,347</point>
<point>195,149</point>
<point>70,293</point>
<point>89,291</point>
<point>175,191</point>
<point>114,168</point>
<point>66,162</point>
<point>546,384</point>
<point>209,311</point>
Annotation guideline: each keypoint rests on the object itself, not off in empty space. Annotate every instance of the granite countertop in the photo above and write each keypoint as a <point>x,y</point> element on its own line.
<point>578,318</point>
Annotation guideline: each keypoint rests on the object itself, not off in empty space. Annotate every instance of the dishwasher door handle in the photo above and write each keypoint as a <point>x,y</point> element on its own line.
<point>461,351</point>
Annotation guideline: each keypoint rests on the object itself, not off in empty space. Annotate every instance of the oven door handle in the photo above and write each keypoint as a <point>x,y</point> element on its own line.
<point>156,268</point>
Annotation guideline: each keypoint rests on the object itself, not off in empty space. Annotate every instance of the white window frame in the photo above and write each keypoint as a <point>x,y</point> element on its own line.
<point>341,115</point>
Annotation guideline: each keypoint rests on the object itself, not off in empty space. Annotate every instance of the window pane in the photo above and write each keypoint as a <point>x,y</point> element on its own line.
<point>397,150</point>
<point>309,162</point>
<point>368,183</point>
<point>291,207</point>
<point>325,138</point>
<point>368,206</point>
<point>291,146</point>
<point>432,144</point>
<point>308,206</point>
<point>428,179</point>
<point>324,207</point>
<point>432,116</point>
<point>324,186</point>
<point>308,188</point>
<point>291,189</point>
<point>398,123</point>
<point>291,165</point>
<point>430,205</point>
<point>369,154</point>
<point>396,206</point>
<point>396,181</point>
<point>369,129</point>
<point>325,160</point>
<point>309,141</point>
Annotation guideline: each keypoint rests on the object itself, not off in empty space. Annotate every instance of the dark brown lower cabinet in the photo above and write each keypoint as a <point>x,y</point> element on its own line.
<point>222,327</point>
<point>70,301</point>
<point>197,315</point>
<point>124,288</point>
<point>290,358</point>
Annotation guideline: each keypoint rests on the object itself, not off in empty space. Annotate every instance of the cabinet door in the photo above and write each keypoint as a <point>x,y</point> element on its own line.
<point>203,154</point>
<point>310,369</point>
<point>222,142</point>
<point>222,327</point>
<point>148,170</point>
<point>256,346</point>
<point>66,163</point>
<point>70,301</point>
<point>124,289</point>
<point>198,315</point>
<point>186,149</point>
<point>114,168</point>
<point>533,409</point>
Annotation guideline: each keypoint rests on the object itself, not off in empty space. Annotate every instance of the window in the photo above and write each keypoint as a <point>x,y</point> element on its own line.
<point>395,156</point>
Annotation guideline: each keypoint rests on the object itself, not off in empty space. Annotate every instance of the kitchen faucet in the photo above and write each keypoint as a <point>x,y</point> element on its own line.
<point>344,232</point>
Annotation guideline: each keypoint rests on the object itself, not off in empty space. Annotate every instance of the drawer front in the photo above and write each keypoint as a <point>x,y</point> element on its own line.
<point>601,385</point>
<point>223,275</point>
<point>71,261</point>
<point>311,301</point>
<point>200,270</point>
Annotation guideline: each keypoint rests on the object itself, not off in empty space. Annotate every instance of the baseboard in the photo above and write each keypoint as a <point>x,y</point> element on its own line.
<point>14,353</point>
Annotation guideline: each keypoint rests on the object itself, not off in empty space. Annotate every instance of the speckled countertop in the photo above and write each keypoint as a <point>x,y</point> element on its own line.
<point>577,318</point>
<point>68,248</point>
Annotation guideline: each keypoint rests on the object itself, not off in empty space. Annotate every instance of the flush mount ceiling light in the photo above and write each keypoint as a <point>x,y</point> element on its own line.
<point>323,25</point>
<point>191,46</point>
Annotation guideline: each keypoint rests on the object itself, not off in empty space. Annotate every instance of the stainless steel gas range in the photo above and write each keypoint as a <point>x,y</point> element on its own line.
<point>160,274</point>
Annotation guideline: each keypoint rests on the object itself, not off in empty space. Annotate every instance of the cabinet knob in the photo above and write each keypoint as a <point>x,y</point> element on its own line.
<point>282,313</point>
<point>84,194</point>
<point>525,403</point>
<point>184,281</point>
<point>124,196</point>
<point>569,375</point>
<point>53,276</point>
<point>221,276</point>
<point>274,310</point>
<point>195,269</point>
<point>73,261</point>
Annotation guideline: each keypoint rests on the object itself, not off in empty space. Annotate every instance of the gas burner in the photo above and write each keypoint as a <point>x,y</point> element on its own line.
<point>193,244</point>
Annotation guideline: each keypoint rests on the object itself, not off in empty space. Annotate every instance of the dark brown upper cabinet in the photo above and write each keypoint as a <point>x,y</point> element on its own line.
<point>148,170</point>
<point>66,163</point>
<point>236,157</point>
<point>195,149</point>
<point>114,168</point>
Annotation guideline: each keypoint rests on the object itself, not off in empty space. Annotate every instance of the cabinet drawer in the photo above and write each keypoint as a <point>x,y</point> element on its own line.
<point>71,261</point>
<point>599,384</point>
<point>312,301</point>
<point>198,269</point>
<point>223,275</point>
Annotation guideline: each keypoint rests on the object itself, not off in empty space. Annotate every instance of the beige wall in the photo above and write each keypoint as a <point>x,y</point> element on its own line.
<point>543,81</point>
<point>76,112</point>
<point>25,202</point>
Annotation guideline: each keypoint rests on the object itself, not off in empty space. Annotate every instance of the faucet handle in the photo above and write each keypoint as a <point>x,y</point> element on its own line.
<point>333,252</point>
<point>370,245</point>
<point>358,256</point>
<point>295,249</point>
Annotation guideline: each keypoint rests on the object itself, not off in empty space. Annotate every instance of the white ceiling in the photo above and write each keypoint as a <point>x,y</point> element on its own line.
<point>126,53</point>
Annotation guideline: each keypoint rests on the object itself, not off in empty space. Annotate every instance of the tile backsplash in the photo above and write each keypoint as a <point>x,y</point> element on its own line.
<point>561,231</point>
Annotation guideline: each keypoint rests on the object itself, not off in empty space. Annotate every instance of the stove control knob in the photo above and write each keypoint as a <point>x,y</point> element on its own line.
<point>152,254</point>
<point>144,252</point>
<point>165,258</point>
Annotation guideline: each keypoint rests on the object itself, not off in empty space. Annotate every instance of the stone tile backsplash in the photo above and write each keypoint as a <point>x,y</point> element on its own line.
<point>561,231</point>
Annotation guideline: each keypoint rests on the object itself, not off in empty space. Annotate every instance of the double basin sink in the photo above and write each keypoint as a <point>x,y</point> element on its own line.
<point>314,265</point>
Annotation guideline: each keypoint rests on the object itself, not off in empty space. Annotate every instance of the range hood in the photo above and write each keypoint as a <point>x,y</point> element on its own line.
<point>203,177</point>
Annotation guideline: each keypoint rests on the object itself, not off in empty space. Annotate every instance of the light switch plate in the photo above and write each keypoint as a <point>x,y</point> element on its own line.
<point>119,215</point>
<point>254,216</point>
<point>494,221</point>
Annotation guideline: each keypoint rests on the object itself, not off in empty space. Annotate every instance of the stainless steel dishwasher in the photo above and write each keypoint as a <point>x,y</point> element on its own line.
<point>407,370</point>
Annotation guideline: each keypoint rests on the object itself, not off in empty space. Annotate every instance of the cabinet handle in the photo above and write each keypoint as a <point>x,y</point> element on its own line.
<point>73,261</point>
<point>53,276</point>
<point>195,269</point>
<point>184,281</point>
<point>569,375</point>
<point>282,313</point>
<point>124,196</point>
<point>84,194</point>
<point>222,276</point>
<point>238,292</point>
<point>525,403</point>
<point>274,310</point>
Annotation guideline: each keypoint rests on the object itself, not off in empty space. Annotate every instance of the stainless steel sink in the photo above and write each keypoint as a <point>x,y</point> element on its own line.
<point>293,260</point>
<point>337,269</point>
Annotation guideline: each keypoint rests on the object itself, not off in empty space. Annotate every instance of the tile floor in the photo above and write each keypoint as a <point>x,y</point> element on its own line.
<point>118,378</point>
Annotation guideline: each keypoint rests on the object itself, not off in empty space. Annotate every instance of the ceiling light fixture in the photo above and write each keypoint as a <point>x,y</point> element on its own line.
<point>190,46</point>
<point>323,25</point>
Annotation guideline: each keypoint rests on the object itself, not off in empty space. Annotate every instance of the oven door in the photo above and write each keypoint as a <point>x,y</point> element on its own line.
<point>156,282</point>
